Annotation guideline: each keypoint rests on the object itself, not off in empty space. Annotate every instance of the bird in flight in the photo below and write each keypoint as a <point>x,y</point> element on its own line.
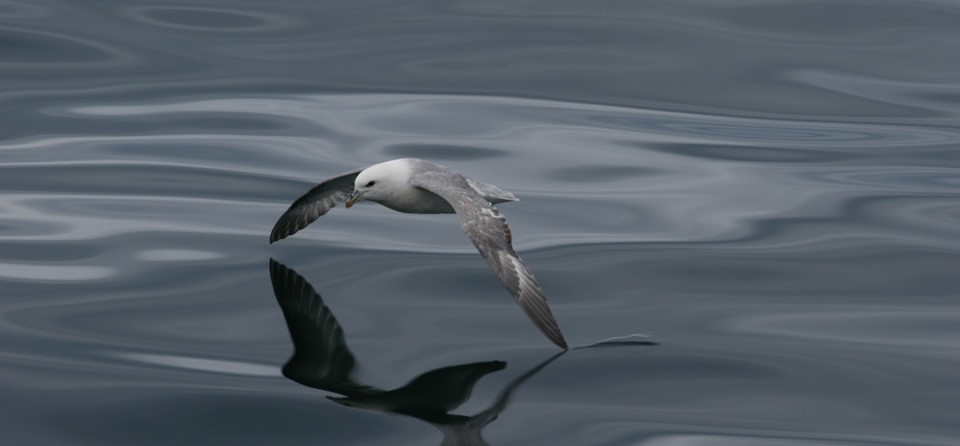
<point>420,187</point>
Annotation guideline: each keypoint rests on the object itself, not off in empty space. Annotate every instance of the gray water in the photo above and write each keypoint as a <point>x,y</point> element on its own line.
<point>758,200</point>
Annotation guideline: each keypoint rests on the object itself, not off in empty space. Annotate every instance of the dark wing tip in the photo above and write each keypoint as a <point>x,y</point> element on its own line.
<point>279,231</point>
<point>544,320</point>
<point>562,343</point>
<point>276,235</point>
<point>550,328</point>
<point>300,214</point>
<point>528,293</point>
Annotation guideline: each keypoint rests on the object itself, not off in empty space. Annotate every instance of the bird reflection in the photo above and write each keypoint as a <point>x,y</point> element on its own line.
<point>322,360</point>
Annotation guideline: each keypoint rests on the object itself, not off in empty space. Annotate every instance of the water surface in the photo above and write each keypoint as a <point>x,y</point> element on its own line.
<point>767,190</point>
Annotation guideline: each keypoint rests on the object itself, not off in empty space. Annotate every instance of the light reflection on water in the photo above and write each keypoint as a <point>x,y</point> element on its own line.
<point>710,247</point>
<point>769,191</point>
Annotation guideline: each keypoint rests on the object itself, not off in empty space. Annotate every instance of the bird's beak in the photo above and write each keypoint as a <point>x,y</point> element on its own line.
<point>355,198</point>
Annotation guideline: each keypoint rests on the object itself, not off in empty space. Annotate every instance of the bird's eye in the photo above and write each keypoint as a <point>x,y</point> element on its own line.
<point>370,184</point>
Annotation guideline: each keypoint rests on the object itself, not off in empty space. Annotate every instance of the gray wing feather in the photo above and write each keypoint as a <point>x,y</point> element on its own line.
<point>491,193</point>
<point>313,204</point>
<point>489,232</point>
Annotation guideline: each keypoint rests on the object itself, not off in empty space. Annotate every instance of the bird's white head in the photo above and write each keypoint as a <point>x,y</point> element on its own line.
<point>379,182</point>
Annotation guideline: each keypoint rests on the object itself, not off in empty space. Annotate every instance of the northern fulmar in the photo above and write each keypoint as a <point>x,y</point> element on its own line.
<point>420,187</point>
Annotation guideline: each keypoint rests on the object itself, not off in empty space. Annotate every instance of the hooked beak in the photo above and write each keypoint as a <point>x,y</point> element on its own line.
<point>355,198</point>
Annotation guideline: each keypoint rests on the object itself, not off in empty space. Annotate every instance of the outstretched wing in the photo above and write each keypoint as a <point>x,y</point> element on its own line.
<point>313,204</point>
<point>489,232</point>
<point>321,358</point>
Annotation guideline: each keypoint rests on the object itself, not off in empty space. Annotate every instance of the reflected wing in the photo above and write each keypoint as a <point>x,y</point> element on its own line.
<point>320,358</point>
<point>481,419</point>
<point>313,204</point>
<point>489,232</point>
<point>445,389</point>
<point>431,395</point>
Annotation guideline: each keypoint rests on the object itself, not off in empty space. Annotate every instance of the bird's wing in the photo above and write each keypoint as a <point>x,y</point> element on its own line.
<point>321,358</point>
<point>313,204</point>
<point>489,232</point>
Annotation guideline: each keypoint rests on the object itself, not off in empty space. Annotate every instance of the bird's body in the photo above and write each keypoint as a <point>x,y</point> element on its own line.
<point>403,196</point>
<point>416,186</point>
<point>395,190</point>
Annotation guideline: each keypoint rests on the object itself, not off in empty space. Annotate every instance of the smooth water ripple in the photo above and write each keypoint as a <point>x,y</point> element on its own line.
<point>745,216</point>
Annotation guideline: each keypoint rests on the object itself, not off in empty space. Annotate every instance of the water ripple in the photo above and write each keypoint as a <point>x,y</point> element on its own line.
<point>769,189</point>
<point>908,327</point>
<point>29,48</point>
<point>665,171</point>
<point>11,9</point>
<point>206,19</point>
<point>54,273</point>
<point>201,364</point>
<point>765,256</point>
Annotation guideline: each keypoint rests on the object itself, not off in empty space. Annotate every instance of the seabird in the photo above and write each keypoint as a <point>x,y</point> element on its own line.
<point>420,187</point>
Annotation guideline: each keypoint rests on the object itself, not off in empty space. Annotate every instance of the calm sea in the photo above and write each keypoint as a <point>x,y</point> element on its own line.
<point>746,215</point>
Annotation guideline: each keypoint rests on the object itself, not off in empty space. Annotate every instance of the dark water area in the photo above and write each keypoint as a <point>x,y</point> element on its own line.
<point>745,214</point>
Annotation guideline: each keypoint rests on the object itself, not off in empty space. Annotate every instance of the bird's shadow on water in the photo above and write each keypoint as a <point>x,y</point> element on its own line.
<point>322,360</point>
